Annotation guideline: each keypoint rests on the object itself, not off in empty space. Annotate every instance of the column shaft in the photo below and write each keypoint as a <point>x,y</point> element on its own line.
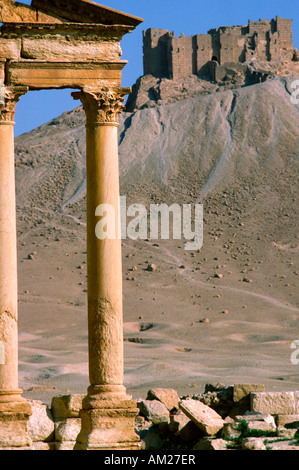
<point>104,260</point>
<point>9,391</point>
<point>8,264</point>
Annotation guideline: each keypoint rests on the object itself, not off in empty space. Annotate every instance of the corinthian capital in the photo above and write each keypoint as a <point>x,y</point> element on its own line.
<point>9,96</point>
<point>102,106</point>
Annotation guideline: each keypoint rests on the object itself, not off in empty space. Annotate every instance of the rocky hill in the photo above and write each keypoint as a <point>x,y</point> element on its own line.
<point>229,312</point>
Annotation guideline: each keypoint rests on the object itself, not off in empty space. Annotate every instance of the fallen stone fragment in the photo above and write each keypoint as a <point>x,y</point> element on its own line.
<point>243,390</point>
<point>178,421</point>
<point>41,422</point>
<point>67,430</point>
<point>167,396</point>
<point>152,267</point>
<point>274,403</point>
<point>153,410</point>
<point>253,443</point>
<point>67,406</point>
<point>203,416</point>
<point>208,443</point>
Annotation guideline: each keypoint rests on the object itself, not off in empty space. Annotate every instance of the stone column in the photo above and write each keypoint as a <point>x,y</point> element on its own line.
<point>108,412</point>
<point>14,409</point>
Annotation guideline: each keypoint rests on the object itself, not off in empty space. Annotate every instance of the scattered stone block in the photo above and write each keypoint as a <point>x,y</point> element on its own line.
<point>177,421</point>
<point>231,430</point>
<point>253,443</point>
<point>67,430</point>
<point>41,422</point>
<point>243,391</point>
<point>153,410</point>
<point>203,416</point>
<point>288,421</point>
<point>67,406</point>
<point>208,443</point>
<point>274,403</point>
<point>167,396</point>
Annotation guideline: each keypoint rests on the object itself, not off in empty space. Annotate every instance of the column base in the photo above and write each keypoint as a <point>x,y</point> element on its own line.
<point>14,418</point>
<point>108,421</point>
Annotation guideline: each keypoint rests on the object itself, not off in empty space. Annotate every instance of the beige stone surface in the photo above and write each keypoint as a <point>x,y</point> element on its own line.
<point>178,421</point>
<point>276,403</point>
<point>67,406</point>
<point>241,391</point>
<point>67,429</point>
<point>62,48</point>
<point>13,424</point>
<point>211,444</point>
<point>203,416</point>
<point>169,397</point>
<point>292,421</point>
<point>10,48</point>
<point>41,422</point>
<point>43,75</point>
<point>253,443</point>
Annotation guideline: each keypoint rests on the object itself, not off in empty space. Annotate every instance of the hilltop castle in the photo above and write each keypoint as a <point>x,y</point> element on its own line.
<point>178,57</point>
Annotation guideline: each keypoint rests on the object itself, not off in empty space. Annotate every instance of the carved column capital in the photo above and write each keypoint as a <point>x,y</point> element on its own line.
<point>102,107</point>
<point>9,97</point>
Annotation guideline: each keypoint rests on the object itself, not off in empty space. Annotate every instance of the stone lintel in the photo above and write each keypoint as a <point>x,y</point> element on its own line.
<point>99,31</point>
<point>50,75</point>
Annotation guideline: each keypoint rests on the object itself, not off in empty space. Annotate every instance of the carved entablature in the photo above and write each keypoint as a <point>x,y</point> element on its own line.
<point>62,44</point>
<point>103,106</point>
<point>9,98</point>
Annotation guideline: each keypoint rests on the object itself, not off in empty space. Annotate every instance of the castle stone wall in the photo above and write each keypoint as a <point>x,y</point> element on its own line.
<point>166,55</point>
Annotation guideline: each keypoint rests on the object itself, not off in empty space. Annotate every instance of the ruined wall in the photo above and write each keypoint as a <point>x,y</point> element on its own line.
<point>178,57</point>
<point>155,52</point>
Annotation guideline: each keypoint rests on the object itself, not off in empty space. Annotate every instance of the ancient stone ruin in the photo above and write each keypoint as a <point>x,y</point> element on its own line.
<point>73,44</point>
<point>166,55</point>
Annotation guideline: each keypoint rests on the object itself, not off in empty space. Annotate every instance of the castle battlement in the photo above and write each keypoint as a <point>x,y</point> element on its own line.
<point>173,57</point>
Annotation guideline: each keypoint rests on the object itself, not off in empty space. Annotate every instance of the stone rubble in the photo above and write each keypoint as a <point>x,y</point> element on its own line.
<point>223,417</point>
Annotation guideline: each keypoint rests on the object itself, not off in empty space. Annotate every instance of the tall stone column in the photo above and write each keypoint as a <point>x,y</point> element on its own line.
<point>14,409</point>
<point>108,412</point>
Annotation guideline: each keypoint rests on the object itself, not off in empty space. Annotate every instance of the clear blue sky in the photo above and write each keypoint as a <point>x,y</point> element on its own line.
<point>188,16</point>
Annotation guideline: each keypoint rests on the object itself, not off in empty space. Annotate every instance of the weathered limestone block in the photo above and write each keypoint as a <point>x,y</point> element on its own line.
<point>253,443</point>
<point>65,445</point>
<point>13,424</point>
<point>167,396</point>
<point>108,428</point>
<point>67,406</point>
<point>288,421</point>
<point>62,48</point>
<point>153,410</point>
<point>10,11</point>
<point>204,417</point>
<point>231,430</point>
<point>274,403</point>
<point>209,443</point>
<point>43,446</point>
<point>178,421</point>
<point>41,422</point>
<point>10,48</point>
<point>67,429</point>
<point>242,391</point>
